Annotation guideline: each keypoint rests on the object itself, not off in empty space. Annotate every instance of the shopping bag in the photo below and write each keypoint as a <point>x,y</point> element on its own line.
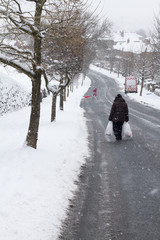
<point>109,134</point>
<point>126,131</point>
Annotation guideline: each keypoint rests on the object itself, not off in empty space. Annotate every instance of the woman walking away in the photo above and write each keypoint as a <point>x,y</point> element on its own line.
<point>119,115</point>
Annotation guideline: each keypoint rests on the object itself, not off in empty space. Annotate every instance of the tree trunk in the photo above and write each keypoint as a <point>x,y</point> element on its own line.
<point>53,112</point>
<point>61,97</point>
<point>61,105</point>
<point>68,91</point>
<point>65,95</point>
<point>32,136</point>
<point>142,83</point>
<point>65,92</point>
<point>54,98</point>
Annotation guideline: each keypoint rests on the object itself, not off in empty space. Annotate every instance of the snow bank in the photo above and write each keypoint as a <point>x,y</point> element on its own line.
<point>12,96</point>
<point>157,92</point>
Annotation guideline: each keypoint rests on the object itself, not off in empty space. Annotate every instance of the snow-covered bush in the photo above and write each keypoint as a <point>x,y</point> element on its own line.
<point>12,96</point>
<point>157,91</point>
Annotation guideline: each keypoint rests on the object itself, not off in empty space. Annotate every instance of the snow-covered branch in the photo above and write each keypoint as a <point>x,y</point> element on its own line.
<point>15,51</point>
<point>55,89</point>
<point>17,66</point>
<point>20,19</point>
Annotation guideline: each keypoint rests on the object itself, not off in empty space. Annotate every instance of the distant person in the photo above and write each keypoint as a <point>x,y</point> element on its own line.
<point>118,115</point>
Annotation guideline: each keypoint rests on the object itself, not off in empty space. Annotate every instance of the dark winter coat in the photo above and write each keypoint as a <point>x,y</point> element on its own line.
<point>119,111</point>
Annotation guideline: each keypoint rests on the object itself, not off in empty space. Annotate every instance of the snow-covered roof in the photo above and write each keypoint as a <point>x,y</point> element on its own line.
<point>130,42</point>
<point>135,47</point>
<point>124,36</point>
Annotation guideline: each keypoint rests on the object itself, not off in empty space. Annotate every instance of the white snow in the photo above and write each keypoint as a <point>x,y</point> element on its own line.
<point>36,185</point>
<point>21,79</point>
<point>123,36</point>
<point>137,47</point>
<point>12,95</point>
<point>130,42</point>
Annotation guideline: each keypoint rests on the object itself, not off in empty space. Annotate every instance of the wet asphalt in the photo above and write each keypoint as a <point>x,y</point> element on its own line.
<point>118,196</point>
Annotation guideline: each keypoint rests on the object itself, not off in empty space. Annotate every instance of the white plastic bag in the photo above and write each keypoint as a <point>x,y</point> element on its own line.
<point>109,134</point>
<point>126,131</point>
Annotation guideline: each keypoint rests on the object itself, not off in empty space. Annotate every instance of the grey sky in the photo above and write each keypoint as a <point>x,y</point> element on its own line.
<point>129,15</point>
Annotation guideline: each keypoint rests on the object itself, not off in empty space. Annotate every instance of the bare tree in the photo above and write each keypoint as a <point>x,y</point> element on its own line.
<point>97,47</point>
<point>155,44</point>
<point>63,49</point>
<point>67,49</point>
<point>25,25</point>
<point>144,67</point>
<point>19,24</point>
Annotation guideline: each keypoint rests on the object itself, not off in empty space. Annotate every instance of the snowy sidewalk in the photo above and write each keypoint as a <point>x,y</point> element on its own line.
<point>36,185</point>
